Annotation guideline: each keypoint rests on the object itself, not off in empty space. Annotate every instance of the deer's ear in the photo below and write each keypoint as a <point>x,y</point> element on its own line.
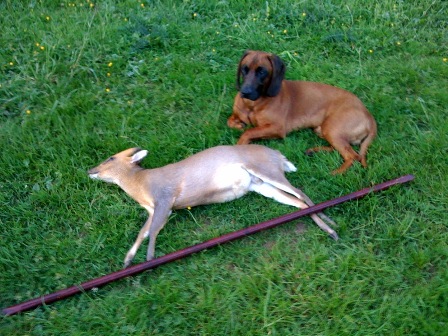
<point>140,155</point>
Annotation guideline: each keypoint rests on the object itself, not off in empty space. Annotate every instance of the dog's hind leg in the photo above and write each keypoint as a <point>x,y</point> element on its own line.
<point>343,147</point>
<point>363,147</point>
<point>348,154</point>
<point>311,151</point>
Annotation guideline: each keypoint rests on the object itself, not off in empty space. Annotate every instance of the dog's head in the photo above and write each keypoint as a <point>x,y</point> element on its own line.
<point>259,74</point>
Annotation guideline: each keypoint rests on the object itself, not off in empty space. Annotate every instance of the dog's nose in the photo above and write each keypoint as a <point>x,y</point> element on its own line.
<point>248,93</point>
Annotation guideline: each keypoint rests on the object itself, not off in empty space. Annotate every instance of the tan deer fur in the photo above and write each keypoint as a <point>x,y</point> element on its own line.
<point>215,175</point>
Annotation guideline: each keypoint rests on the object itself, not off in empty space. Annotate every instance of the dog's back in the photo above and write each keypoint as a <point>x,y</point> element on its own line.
<point>276,107</point>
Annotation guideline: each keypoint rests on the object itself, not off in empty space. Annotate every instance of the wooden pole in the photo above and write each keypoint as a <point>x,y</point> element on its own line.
<point>95,283</point>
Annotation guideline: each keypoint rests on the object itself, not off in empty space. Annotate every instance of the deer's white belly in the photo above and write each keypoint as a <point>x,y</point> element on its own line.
<point>230,182</point>
<point>223,184</point>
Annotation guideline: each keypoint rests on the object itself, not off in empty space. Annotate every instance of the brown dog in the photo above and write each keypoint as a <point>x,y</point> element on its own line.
<point>276,107</point>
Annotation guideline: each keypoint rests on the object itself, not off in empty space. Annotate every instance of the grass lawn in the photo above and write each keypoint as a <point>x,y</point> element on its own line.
<point>81,80</point>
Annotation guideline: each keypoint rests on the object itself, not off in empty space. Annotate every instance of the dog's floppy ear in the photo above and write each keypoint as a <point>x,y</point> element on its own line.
<point>238,73</point>
<point>277,75</point>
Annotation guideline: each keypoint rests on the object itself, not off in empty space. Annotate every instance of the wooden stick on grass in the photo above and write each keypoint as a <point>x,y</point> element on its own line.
<point>94,283</point>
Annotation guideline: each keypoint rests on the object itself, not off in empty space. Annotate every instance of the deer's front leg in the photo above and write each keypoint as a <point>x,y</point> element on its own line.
<point>159,220</point>
<point>144,232</point>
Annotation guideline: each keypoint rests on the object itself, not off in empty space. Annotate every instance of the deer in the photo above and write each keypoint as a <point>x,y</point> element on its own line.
<point>215,175</point>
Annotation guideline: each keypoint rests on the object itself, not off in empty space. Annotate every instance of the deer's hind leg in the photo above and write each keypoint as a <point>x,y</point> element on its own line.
<point>270,191</point>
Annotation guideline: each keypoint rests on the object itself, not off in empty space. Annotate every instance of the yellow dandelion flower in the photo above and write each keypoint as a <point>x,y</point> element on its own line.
<point>108,74</point>
<point>285,31</point>
<point>42,48</point>
<point>92,5</point>
<point>125,19</point>
<point>235,25</point>
<point>398,43</point>
<point>28,112</point>
<point>110,64</point>
<point>195,14</point>
<point>11,63</point>
<point>107,90</point>
<point>445,59</point>
<point>370,51</point>
<point>47,18</point>
<point>303,14</point>
<point>37,44</point>
<point>189,207</point>
<point>214,50</point>
<point>142,5</point>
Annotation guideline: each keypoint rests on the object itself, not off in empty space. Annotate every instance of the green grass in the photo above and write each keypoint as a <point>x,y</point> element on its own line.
<point>79,83</point>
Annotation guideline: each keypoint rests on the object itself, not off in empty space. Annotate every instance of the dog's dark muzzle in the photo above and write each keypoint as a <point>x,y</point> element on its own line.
<point>249,92</point>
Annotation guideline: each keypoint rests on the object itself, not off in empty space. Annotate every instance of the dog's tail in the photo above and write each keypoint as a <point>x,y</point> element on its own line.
<point>366,142</point>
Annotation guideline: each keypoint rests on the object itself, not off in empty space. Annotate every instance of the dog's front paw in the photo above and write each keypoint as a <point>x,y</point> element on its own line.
<point>235,122</point>
<point>309,152</point>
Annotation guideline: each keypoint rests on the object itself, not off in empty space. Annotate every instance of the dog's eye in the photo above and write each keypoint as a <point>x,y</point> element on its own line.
<point>245,70</point>
<point>261,71</point>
